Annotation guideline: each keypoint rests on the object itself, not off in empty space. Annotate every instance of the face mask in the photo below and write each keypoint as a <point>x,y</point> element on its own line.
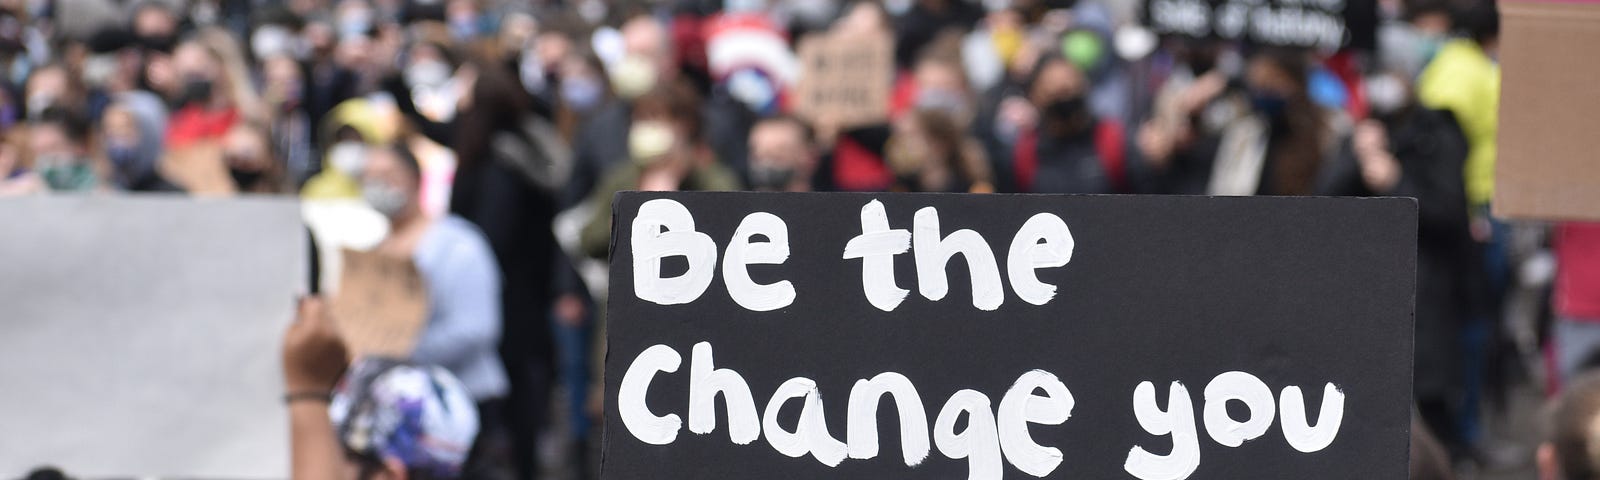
<point>195,90</point>
<point>744,6</point>
<point>244,179</point>
<point>355,23</point>
<point>386,199</point>
<point>947,101</point>
<point>632,77</point>
<point>98,69</point>
<point>203,14</point>
<point>348,157</point>
<point>897,7</point>
<point>38,102</point>
<point>1069,115</point>
<point>464,27</point>
<point>271,40</point>
<point>10,33</point>
<point>64,173</point>
<point>810,13</point>
<point>769,178</point>
<point>1066,108</point>
<point>1428,47</point>
<point>581,94</point>
<point>531,72</point>
<point>1268,103</point>
<point>159,43</point>
<point>754,90</point>
<point>122,156</point>
<point>1385,93</point>
<point>427,73</point>
<point>648,140</point>
<point>593,11</point>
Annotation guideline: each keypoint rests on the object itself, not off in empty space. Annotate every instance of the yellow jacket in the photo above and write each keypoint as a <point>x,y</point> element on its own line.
<point>330,184</point>
<point>1464,80</point>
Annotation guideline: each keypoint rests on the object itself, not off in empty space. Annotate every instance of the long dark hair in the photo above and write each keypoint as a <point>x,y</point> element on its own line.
<point>1297,145</point>
<point>498,103</point>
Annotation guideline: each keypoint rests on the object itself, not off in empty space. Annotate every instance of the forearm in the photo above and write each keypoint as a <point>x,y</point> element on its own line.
<point>314,447</point>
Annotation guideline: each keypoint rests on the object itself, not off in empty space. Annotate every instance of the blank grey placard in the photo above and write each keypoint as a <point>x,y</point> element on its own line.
<point>140,335</point>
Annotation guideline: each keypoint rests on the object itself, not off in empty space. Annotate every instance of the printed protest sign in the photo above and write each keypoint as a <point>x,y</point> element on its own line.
<point>143,335</point>
<point>1322,24</point>
<point>845,79</point>
<point>1545,167</point>
<point>975,336</point>
<point>381,305</point>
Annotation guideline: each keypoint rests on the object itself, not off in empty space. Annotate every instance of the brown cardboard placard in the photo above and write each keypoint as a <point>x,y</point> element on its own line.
<point>845,79</point>
<point>198,168</point>
<point>382,304</point>
<point>1546,167</point>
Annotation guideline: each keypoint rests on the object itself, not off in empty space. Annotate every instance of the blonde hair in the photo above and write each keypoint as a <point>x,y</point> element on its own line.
<point>230,56</point>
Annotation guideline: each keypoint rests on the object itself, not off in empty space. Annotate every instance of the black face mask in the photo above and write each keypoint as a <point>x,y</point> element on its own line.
<point>195,90</point>
<point>770,178</point>
<point>244,179</point>
<point>157,43</point>
<point>1068,117</point>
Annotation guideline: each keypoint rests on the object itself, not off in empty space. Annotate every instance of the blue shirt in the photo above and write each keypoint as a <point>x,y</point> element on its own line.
<point>463,330</point>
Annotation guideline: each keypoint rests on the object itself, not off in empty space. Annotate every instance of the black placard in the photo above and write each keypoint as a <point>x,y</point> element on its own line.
<point>1292,292</point>
<point>1324,24</point>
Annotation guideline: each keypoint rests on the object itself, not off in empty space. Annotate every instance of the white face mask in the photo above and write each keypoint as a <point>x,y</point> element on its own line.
<point>348,157</point>
<point>271,40</point>
<point>97,69</point>
<point>427,73</point>
<point>648,140</point>
<point>531,72</point>
<point>593,11</point>
<point>385,198</point>
<point>38,103</point>
<point>633,76</point>
<point>897,7</point>
<point>1386,94</point>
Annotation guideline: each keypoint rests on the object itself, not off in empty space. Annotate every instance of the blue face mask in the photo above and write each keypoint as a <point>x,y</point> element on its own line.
<point>1268,103</point>
<point>126,163</point>
<point>122,156</point>
<point>581,94</point>
<point>464,27</point>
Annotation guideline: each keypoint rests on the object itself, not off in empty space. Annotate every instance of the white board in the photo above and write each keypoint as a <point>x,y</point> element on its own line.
<point>140,336</point>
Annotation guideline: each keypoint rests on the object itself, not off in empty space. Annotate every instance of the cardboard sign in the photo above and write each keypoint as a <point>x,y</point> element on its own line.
<point>143,335</point>
<point>845,80</point>
<point>382,305</point>
<point>199,169</point>
<point>1545,167</point>
<point>975,336</point>
<point>1323,24</point>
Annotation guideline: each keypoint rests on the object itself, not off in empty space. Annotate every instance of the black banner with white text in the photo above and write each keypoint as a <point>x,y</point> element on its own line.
<point>756,335</point>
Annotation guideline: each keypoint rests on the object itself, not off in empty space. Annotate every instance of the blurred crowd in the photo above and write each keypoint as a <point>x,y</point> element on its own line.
<point>484,139</point>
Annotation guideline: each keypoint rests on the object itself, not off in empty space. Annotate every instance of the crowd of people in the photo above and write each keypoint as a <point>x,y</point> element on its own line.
<point>486,138</point>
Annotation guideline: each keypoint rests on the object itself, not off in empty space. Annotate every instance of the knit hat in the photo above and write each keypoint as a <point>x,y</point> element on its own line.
<point>421,415</point>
